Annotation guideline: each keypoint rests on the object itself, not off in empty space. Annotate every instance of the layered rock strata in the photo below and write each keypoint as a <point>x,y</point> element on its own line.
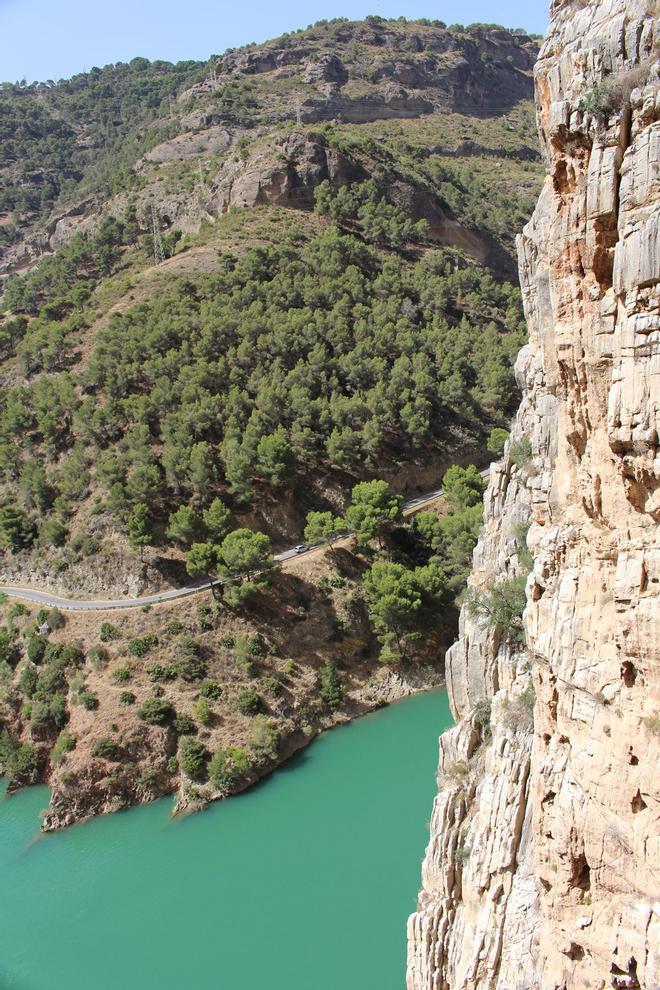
<point>543,867</point>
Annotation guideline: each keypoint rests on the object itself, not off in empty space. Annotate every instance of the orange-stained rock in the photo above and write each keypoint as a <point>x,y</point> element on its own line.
<point>543,867</point>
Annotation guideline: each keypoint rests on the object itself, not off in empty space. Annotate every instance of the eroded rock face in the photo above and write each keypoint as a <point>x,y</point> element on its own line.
<point>286,170</point>
<point>544,862</point>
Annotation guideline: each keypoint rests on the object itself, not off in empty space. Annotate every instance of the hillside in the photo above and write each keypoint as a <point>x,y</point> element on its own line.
<point>165,131</point>
<point>247,303</point>
<point>370,329</point>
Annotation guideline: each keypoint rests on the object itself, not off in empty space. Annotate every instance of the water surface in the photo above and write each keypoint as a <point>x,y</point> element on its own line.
<point>302,883</point>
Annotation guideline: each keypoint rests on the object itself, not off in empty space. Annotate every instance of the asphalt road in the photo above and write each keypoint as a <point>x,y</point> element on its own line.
<point>104,604</point>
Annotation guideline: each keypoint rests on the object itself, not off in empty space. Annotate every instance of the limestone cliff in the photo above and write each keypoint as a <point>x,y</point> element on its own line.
<point>544,863</point>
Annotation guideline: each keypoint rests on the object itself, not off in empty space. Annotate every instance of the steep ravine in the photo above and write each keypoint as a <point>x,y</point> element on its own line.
<point>543,862</point>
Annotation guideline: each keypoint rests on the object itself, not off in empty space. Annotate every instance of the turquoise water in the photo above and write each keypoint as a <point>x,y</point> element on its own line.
<point>302,883</point>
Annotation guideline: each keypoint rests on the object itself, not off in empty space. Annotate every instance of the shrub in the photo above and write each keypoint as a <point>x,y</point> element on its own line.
<point>617,88</point>
<point>245,651</point>
<point>85,544</point>
<point>7,646</point>
<point>53,533</point>
<point>189,664</point>
<point>64,744</point>
<point>24,765</point>
<point>121,675</point>
<point>172,764</point>
<point>148,776</point>
<point>107,749</point>
<point>332,691</point>
<point>265,737</point>
<point>459,770</point>
<point>528,699</point>
<point>108,632</point>
<point>462,854</point>
<point>496,440</point>
<point>63,656</point>
<point>228,766</point>
<point>613,92</point>
<point>520,451</point>
<point>55,619</point>
<point>139,646</point>
<point>127,698</point>
<point>249,702</point>
<point>499,604</point>
<point>273,686</point>
<point>174,627</point>
<point>520,530</point>
<point>204,617</point>
<point>156,711</point>
<point>36,648</point>
<point>481,716</point>
<point>46,715</point>
<point>184,725</point>
<point>98,655</point>
<point>157,672</point>
<point>27,681</point>
<point>88,700</point>
<point>18,609</point>
<point>193,757</point>
<point>202,711</point>
<point>518,713</point>
<point>210,689</point>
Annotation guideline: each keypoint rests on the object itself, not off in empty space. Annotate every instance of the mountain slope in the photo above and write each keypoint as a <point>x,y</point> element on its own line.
<point>299,277</point>
<point>333,300</point>
<point>70,145</point>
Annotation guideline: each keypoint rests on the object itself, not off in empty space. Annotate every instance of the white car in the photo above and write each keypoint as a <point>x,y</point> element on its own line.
<point>300,548</point>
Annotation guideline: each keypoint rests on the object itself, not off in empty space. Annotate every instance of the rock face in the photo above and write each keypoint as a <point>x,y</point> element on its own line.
<point>544,863</point>
<point>286,170</point>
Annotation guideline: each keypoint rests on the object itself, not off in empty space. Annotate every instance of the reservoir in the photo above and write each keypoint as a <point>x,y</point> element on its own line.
<point>302,883</point>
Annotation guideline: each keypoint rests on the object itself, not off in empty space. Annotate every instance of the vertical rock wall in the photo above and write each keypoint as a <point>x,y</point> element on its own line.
<point>543,864</point>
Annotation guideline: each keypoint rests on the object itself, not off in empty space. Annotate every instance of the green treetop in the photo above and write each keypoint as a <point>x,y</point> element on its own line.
<point>184,525</point>
<point>373,505</point>
<point>140,531</point>
<point>463,486</point>
<point>244,553</point>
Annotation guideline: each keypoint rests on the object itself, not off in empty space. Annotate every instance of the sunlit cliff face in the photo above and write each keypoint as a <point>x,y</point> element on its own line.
<point>542,865</point>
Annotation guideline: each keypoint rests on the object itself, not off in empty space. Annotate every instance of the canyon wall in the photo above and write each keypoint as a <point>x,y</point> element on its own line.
<point>544,860</point>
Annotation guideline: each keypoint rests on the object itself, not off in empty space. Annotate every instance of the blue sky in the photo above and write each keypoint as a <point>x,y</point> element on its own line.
<point>53,39</point>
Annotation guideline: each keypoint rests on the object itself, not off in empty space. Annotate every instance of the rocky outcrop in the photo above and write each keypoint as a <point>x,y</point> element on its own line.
<point>190,145</point>
<point>543,867</point>
<point>286,170</point>
<point>459,70</point>
<point>388,102</point>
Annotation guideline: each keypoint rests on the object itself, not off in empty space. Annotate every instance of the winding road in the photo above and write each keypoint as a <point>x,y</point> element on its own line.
<point>105,604</point>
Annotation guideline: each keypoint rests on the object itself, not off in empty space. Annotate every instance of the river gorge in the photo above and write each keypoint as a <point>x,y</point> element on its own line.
<point>305,880</point>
